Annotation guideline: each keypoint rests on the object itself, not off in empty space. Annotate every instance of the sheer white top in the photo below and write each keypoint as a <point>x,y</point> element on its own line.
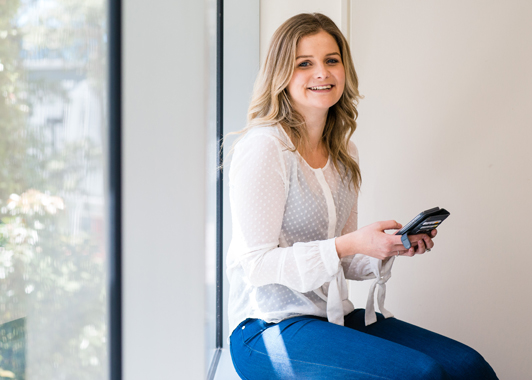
<point>282,261</point>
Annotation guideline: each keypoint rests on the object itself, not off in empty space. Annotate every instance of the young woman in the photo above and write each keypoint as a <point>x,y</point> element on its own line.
<point>294,180</point>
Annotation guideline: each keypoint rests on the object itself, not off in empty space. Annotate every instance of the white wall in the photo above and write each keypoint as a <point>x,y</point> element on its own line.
<point>274,12</point>
<point>165,101</point>
<point>447,122</point>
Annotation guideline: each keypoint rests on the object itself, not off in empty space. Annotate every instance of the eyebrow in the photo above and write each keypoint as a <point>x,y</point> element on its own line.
<point>311,56</point>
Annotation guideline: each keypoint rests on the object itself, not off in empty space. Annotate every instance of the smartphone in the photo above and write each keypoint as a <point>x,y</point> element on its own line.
<point>425,222</point>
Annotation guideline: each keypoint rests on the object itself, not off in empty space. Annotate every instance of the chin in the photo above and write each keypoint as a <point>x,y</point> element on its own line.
<point>325,105</point>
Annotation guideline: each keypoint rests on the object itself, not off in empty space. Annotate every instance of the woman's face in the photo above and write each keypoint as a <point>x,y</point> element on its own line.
<point>319,77</point>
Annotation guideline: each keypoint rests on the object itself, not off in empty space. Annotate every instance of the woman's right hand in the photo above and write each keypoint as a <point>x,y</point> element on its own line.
<point>373,241</point>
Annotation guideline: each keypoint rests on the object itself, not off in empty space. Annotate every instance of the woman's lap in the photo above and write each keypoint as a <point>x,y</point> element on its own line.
<point>311,348</point>
<point>458,360</point>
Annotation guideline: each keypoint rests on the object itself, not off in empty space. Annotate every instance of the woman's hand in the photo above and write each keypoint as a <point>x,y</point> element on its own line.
<point>420,243</point>
<point>373,241</point>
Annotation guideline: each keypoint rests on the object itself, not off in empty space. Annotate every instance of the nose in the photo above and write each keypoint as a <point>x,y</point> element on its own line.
<point>322,71</point>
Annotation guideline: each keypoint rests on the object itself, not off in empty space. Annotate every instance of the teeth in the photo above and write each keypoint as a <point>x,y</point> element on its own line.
<point>321,87</point>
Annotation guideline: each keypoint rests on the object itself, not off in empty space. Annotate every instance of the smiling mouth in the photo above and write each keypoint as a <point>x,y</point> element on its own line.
<point>321,88</point>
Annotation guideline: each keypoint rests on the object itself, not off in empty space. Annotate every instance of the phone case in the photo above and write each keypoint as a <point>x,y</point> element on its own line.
<point>425,222</point>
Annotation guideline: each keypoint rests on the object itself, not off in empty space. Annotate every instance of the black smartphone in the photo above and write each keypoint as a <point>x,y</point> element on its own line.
<point>425,222</point>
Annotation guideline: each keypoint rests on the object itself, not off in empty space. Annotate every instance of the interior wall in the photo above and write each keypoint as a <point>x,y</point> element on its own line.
<point>164,121</point>
<point>274,12</point>
<point>446,121</point>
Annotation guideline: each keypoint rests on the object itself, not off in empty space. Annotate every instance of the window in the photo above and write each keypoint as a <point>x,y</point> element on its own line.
<point>53,123</point>
<point>237,69</point>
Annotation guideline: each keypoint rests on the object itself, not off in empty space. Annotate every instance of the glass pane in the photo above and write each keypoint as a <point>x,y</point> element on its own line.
<point>53,308</point>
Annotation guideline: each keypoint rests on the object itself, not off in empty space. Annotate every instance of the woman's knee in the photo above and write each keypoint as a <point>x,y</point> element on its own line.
<point>415,365</point>
<point>472,366</point>
<point>426,368</point>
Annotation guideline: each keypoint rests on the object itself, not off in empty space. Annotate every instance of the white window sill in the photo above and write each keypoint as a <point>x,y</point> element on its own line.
<point>225,370</point>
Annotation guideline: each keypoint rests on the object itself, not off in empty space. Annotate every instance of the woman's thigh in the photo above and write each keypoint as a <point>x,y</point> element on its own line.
<point>458,360</point>
<point>312,348</point>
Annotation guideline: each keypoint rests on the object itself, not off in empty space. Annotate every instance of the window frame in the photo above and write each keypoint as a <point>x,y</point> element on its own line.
<point>237,25</point>
<point>115,188</point>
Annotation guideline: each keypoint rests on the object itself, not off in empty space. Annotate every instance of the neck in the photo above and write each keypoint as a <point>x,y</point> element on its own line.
<point>315,123</point>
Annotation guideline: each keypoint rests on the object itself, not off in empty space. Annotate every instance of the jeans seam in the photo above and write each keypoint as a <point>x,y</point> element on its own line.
<point>317,364</point>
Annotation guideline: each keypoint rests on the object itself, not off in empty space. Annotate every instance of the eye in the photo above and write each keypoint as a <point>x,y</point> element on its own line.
<point>304,64</point>
<point>332,61</point>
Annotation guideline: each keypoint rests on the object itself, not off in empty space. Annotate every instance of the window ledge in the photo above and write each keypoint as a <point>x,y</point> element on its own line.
<point>225,370</point>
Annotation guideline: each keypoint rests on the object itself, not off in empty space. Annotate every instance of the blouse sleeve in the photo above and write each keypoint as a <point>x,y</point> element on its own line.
<point>258,191</point>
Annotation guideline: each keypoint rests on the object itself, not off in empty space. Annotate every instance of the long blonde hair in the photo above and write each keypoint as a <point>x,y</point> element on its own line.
<point>270,104</point>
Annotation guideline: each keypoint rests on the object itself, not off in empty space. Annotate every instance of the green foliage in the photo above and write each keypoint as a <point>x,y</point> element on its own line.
<point>52,251</point>
<point>13,109</point>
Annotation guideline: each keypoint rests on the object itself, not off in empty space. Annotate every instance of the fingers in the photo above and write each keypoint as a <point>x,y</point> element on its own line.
<point>406,252</point>
<point>389,225</point>
<point>428,242</point>
<point>426,239</point>
<point>418,250</point>
<point>397,242</point>
<point>420,244</point>
<point>421,247</point>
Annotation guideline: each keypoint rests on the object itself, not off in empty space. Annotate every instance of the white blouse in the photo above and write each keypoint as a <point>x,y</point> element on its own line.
<point>282,261</point>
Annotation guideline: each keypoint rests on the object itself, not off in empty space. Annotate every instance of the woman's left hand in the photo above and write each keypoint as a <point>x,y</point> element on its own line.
<point>421,243</point>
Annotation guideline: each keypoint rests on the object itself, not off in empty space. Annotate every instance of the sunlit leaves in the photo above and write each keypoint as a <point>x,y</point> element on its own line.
<point>51,206</point>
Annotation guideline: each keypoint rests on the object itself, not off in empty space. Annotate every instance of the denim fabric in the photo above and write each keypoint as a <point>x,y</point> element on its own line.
<point>309,347</point>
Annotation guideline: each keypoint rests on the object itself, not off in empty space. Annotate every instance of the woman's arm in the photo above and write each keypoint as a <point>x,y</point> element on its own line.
<point>259,188</point>
<point>373,241</point>
<point>357,261</point>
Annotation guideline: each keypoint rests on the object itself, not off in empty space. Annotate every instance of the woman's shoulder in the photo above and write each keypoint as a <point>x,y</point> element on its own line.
<point>259,150</point>
<point>264,137</point>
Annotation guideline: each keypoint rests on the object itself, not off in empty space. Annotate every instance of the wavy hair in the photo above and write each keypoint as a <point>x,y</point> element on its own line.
<point>270,104</point>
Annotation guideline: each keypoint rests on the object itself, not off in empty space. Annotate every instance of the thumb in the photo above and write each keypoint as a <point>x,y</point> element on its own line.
<point>390,225</point>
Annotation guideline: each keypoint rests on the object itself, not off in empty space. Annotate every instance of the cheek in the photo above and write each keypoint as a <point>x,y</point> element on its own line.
<point>341,78</point>
<point>341,81</point>
<point>296,86</point>
<point>296,82</point>
<point>342,88</point>
<point>290,90</point>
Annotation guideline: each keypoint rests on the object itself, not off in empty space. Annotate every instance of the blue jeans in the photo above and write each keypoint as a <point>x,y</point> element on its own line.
<point>309,347</point>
